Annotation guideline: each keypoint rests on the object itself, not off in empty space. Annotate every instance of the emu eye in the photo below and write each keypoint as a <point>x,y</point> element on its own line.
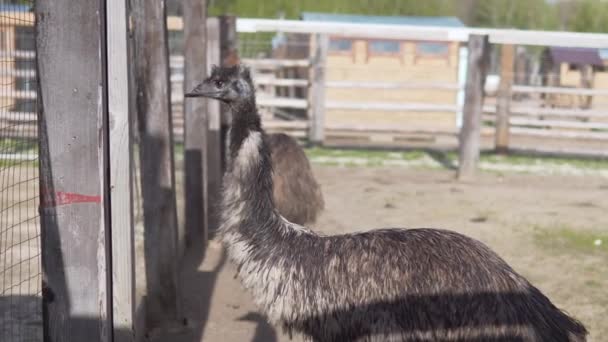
<point>219,84</point>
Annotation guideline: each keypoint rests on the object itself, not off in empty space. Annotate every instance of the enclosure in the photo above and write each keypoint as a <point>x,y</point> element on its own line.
<point>110,181</point>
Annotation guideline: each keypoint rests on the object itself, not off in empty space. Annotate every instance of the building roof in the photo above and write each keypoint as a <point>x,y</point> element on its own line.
<point>582,56</point>
<point>386,20</point>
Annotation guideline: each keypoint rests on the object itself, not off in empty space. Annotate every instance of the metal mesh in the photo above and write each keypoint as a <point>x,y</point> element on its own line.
<point>20,274</point>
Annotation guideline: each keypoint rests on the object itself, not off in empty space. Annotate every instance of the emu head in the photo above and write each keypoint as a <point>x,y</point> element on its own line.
<point>228,84</point>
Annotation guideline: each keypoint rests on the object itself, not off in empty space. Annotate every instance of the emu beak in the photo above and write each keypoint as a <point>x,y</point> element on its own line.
<point>203,90</point>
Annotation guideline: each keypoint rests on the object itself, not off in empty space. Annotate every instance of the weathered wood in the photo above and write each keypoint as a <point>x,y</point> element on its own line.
<point>73,171</point>
<point>538,111</point>
<point>392,85</point>
<point>559,90</point>
<point>427,33</point>
<point>214,137</point>
<point>549,133</point>
<point>120,147</point>
<point>266,64</point>
<point>469,139</point>
<point>391,107</point>
<point>559,124</point>
<point>221,50</point>
<point>317,90</point>
<point>507,63</point>
<point>156,161</point>
<point>195,123</point>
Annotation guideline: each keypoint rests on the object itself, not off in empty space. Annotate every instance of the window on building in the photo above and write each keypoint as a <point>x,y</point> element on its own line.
<point>432,49</point>
<point>384,47</point>
<point>340,45</point>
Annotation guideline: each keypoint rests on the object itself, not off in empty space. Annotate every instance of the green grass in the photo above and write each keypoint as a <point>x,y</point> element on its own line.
<point>585,163</point>
<point>11,145</point>
<point>563,239</point>
<point>378,157</point>
<point>364,154</point>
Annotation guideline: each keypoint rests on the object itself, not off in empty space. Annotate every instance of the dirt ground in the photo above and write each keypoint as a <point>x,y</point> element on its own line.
<point>551,229</point>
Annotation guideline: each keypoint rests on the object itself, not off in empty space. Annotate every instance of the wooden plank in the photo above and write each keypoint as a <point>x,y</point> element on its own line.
<point>548,133</point>
<point>73,178</point>
<point>574,113</point>
<point>398,129</point>
<point>157,165</point>
<point>559,90</point>
<point>275,63</point>
<point>282,82</point>
<point>277,124</point>
<point>18,73</point>
<point>195,123</point>
<point>391,107</point>
<point>507,64</point>
<point>20,94</point>
<point>120,148</point>
<point>426,33</point>
<point>316,98</point>
<point>391,85</point>
<point>214,138</point>
<point>558,124</point>
<point>17,54</point>
<point>469,139</point>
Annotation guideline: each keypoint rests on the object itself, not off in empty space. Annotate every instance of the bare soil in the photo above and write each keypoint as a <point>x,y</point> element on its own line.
<point>546,227</point>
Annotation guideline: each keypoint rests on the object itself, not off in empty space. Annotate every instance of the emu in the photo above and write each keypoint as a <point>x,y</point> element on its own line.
<point>297,194</point>
<point>380,285</point>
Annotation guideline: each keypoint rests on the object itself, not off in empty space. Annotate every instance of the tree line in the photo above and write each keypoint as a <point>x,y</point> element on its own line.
<point>563,15</point>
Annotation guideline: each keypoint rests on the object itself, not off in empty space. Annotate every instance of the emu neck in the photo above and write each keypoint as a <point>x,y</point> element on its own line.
<point>248,197</point>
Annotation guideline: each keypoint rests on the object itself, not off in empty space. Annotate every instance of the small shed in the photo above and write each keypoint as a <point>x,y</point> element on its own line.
<point>570,67</point>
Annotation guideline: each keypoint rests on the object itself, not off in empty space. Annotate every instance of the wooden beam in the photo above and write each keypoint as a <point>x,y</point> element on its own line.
<point>392,85</point>
<point>317,90</point>
<point>121,197</point>
<point>228,54</point>
<point>559,90</point>
<point>76,301</point>
<point>507,64</point>
<point>157,165</point>
<point>195,123</point>
<point>427,33</point>
<point>469,139</point>
<point>214,136</point>
<point>391,106</point>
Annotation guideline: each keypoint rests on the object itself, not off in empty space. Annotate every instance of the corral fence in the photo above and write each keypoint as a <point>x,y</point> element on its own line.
<point>393,85</point>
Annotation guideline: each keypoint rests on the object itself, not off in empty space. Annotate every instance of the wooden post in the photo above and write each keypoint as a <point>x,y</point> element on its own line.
<point>214,138</point>
<point>73,130</point>
<point>120,145</point>
<point>317,90</point>
<point>504,98</point>
<point>478,62</point>
<point>229,56</point>
<point>221,50</point>
<point>195,124</point>
<point>157,164</point>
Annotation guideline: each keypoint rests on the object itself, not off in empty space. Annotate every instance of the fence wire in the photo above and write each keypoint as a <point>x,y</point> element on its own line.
<point>20,274</point>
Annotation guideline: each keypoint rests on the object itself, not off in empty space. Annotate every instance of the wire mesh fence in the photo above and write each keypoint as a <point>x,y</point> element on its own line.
<point>20,274</point>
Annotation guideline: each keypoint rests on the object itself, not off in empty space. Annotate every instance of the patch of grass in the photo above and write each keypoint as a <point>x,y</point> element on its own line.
<point>12,145</point>
<point>584,163</point>
<point>379,158</point>
<point>564,239</point>
<point>318,152</point>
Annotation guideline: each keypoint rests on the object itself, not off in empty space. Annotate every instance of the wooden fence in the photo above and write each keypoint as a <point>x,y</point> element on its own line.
<point>522,120</point>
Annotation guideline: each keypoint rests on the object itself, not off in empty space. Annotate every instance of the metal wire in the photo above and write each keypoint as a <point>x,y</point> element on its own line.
<point>20,273</point>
